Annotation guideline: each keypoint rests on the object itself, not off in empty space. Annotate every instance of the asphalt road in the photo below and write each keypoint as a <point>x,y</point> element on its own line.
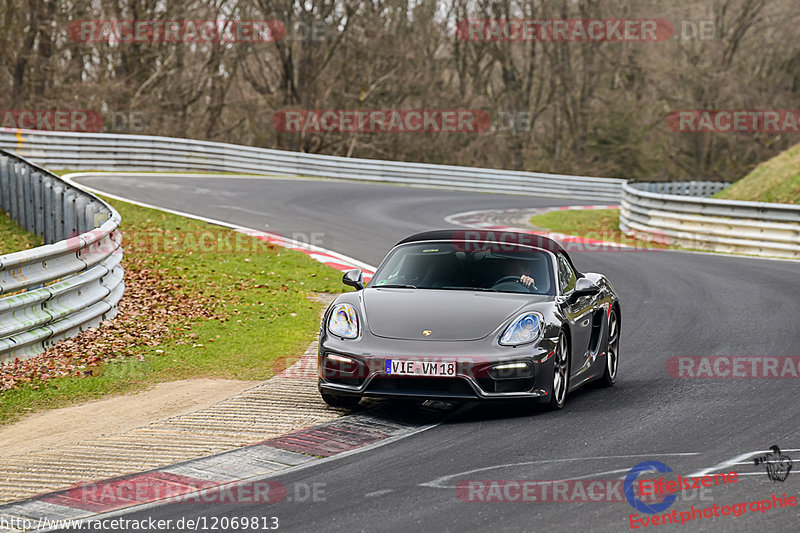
<point>673,304</point>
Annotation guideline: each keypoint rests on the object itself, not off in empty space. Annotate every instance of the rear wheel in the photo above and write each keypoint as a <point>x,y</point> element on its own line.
<point>612,351</point>
<point>560,374</point>
<point>340,400</point>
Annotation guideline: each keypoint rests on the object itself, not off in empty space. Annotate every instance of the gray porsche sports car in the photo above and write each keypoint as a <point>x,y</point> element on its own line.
<point>461,314</point>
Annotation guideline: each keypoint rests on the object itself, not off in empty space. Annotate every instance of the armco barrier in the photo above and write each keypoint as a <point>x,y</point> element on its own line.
<point>92,151</point>
<point>752,228</point>
<point>673,210</point>
<point>71,283</point>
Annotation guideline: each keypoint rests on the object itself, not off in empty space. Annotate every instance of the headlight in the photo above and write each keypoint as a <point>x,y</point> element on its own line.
<point>524,329</point>
<point>343,321</point>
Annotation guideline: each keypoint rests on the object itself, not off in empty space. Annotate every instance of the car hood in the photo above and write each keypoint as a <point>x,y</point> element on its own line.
<point>447,314</point>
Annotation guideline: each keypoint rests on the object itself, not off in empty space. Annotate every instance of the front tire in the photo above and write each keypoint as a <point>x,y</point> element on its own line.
<point>612,351</point>
<point>340,401</point>
<point>561,364</point>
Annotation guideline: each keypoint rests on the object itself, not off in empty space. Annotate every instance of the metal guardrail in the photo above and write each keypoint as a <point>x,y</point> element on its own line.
<point>682,188</point>
<point>71,283</point>
<point>91,151</point>
<point>752,228</point>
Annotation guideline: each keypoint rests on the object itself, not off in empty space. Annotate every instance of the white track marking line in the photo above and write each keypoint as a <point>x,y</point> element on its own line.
<point>738,460</point>
<point>381,492</point>
<point>438,482</point>
<point>242,229</point>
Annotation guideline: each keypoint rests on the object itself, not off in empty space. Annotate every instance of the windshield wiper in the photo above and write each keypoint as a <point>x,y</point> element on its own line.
<point>484,289</point>
<point>395,286</point>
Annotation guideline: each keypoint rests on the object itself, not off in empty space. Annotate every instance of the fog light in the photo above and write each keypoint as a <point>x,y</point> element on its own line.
<point>520,369</point>
<point>340,363</point>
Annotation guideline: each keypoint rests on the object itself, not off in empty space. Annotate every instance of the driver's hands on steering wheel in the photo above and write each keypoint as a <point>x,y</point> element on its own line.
<point>528,281</point>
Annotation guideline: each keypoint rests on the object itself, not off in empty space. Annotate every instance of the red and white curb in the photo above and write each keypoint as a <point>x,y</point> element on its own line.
<point>237,476</point>
<point>335,260</point>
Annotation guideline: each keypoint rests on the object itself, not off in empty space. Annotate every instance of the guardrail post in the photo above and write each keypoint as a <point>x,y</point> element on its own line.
<point>71,222</point>
<point>5,186</point>
<point>38,203</point>
<point>48,207</point>
<point>28,221</point>
<point>16,193</point>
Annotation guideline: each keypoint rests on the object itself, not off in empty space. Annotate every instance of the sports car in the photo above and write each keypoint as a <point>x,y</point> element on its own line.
<point>470,315</point>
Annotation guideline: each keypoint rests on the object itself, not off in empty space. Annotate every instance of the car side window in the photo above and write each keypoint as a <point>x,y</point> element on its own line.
<point>566,275</point>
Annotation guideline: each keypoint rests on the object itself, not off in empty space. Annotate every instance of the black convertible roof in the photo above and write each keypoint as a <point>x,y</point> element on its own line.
<point>483,235</point>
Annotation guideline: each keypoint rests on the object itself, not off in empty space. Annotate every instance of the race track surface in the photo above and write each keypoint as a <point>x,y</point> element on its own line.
<point>673,304</point>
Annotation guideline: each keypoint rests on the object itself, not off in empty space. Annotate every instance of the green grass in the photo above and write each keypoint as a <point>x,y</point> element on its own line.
<point>14,238</point>
<point>776,180</point>
<point>599,224</point>
<point>261,290</point>
<point>593,223</point>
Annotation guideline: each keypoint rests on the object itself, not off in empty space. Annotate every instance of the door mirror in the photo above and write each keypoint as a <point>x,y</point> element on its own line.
<point>354,278</point>
<point>584,287</point>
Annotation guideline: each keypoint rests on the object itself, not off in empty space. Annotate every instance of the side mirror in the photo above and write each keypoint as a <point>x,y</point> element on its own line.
<point>354,278</point>
<point>584,287</point>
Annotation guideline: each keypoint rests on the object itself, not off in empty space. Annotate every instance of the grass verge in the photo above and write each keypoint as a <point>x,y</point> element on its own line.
<point>200,301</point>
<point>598,224</point>
<point>776,180</point>
<point>13,238</point>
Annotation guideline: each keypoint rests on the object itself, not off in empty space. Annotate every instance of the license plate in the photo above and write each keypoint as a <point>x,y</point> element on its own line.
<point>398,367</point>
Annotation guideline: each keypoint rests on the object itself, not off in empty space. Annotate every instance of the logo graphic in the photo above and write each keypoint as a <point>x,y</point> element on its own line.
<point>427,332</point>
<point>777,464</point>
<point>630,484</point>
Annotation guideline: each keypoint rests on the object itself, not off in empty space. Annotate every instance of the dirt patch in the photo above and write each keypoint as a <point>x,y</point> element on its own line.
<point>89,421</point>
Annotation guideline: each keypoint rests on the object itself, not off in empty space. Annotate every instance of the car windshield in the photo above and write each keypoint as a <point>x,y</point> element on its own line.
<point>467,266</point>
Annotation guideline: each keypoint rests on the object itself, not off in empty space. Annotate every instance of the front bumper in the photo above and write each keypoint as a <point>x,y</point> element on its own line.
<point>475,377</point>
<point>459,388</point>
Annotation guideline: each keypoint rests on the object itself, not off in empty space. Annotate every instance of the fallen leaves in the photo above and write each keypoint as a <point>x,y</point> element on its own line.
<point>151,310</point>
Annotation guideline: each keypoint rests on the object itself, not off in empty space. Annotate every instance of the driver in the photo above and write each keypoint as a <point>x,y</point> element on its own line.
<point>516,268</point>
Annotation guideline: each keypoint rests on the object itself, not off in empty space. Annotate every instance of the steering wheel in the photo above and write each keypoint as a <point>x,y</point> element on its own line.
<point>513,284</point>
<point>506,279</point>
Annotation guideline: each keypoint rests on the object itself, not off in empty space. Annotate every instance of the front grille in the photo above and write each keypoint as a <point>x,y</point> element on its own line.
<point>420,385</point>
